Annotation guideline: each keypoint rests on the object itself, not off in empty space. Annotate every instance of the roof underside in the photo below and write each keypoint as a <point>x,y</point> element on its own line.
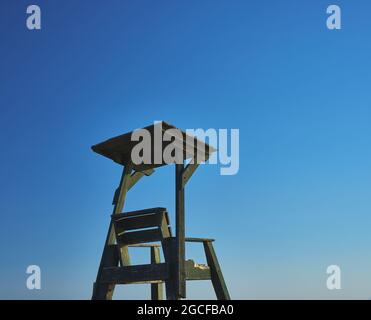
<point>119,149</point>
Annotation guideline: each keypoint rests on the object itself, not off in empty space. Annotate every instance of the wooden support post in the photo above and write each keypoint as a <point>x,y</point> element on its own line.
<point>169,247</point>
<point>105,291</point>
<point>217,278</point>
<point>157,289</point>
<point>180,274</point>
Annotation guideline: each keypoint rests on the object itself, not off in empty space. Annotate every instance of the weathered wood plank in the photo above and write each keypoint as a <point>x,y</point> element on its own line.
<point>137,237</point>
<point>169,248</point>
<point>165,228</point>
<point>180,233</point>
<point>217,278</point>
<point>138,222</point>
<point>135,274</point>
<point>198,240</point>
<point>145,245</point>
<point>139,212</point>
<point>157,289</point>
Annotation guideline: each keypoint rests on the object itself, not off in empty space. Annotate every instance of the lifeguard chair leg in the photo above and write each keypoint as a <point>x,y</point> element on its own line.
<point>110,258</point>
<point>111,254</point>
<point>169,247</point>
<point>217,278</point>
<point>157,289</point>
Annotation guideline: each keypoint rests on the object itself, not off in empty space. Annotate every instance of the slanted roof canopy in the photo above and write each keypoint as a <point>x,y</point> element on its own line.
<point>119,148</point>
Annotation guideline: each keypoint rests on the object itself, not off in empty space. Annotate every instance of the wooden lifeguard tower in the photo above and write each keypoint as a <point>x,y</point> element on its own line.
<point>151,227</point>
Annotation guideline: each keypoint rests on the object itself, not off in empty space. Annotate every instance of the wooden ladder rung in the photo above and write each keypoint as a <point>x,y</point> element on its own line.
<point>146,273</point>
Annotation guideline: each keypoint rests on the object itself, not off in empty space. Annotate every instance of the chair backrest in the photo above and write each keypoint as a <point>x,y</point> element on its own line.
<point>142,226</point>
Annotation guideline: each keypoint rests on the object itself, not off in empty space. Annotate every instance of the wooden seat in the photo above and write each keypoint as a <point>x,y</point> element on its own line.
<point>143,226</point>
<point>150,228</point>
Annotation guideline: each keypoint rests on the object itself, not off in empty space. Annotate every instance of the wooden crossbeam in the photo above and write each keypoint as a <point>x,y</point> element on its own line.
<point>146,273</point>
<point>199,240</point>
<point>188,172</point>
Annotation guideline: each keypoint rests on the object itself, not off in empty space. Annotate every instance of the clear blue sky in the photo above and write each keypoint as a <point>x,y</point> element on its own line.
<point>299,93</point>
